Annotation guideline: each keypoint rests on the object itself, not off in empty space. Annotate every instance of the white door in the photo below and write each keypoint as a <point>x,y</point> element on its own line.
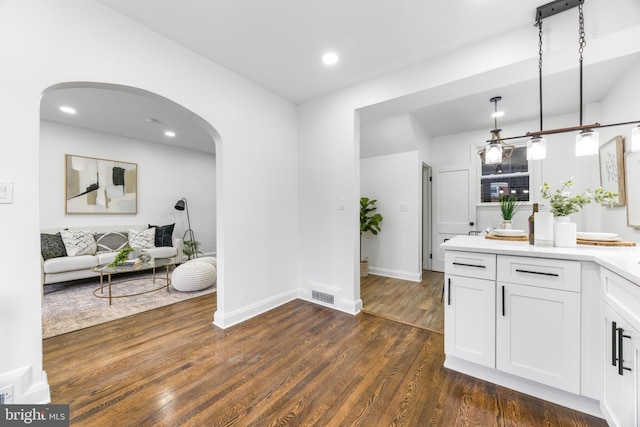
<point>538,334</point>
<point>453,206</point>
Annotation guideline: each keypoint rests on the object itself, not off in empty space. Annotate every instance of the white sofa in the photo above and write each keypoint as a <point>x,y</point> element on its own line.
<point>68,268</point>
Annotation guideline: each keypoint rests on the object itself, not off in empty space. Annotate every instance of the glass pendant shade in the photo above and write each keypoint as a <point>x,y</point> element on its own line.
<point>587,143</point>
<point>536,148</point>
<point>635,139</point>
<point>493,153</point>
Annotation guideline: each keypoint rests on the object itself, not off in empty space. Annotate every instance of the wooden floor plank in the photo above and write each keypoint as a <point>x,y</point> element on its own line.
<point>298,365</point>
<point>413,303</point>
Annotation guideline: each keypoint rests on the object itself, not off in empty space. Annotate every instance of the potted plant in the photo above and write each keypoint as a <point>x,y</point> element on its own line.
<point>121,257</point>
<point>369,222</point>
<point>191,248</point>
<point>563,205</point>
<point>508,207</point>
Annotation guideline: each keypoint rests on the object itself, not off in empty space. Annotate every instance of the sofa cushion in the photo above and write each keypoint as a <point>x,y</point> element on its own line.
<point>112,241</point>
<point>142,239</point>
<point>78,242</point>
<point>162,252</point>
<point>63,264</point>
<point>51,246</point>
<point>164,234</point>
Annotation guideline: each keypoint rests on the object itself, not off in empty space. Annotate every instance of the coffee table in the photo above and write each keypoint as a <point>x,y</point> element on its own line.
<point>108,270</point>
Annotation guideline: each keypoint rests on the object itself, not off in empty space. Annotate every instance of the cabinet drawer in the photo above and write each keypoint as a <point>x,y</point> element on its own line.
<point>540,272</point>
<point>622,295</point>
<point>470,264</point>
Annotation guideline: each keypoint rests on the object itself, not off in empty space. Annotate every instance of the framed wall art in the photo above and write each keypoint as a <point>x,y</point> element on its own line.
<point>100,186</point>
<point>632,161</point>
<point>612,176</point>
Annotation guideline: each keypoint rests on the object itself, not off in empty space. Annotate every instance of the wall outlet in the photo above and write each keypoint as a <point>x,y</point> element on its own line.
<point>6,395</point>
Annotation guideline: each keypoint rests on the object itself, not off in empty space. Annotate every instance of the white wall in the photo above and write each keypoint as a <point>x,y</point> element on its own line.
<point>396,182</point>
<point>45,43</point>
<point>328,150</point>
<point>165,175</point>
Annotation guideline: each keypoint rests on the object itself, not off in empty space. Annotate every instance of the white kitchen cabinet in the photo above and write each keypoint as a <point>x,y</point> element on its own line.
<point>469,311</point>
<point>538,320</point>
<point>621,397</point>
<point>538,335</point>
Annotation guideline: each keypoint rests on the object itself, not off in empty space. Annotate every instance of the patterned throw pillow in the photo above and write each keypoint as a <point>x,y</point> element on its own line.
<point>52,246</point>
<point>143,239</point>
<point>78,242</point>
<point>112,241</point>
<point>164,234</point>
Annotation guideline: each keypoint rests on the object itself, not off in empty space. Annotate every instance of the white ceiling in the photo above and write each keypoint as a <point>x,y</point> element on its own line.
<point>278,45</point>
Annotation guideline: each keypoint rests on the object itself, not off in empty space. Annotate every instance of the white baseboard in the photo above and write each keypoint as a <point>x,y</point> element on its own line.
<point>23,389</point>
<point>396,274</point>
<point>225,320</point>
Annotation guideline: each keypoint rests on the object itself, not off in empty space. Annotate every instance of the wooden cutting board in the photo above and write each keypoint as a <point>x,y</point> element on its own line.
<point>601,243</point>
<point>508,238</point>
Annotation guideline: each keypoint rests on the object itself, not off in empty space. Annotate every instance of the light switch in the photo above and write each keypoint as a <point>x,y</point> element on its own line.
<point>341,204</point>
<point>6,192</point>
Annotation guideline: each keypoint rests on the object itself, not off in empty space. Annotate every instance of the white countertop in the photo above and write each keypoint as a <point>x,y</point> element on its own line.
<point>624,261</point>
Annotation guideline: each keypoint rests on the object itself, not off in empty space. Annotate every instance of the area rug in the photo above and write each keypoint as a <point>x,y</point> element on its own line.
<point>71,306</point>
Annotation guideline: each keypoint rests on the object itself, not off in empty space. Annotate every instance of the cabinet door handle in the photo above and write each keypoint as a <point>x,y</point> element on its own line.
<point>621,337</point>
<point>537,272</point>
<point>614,355</point>
<point>469,265</point>
<point>449,292</point>
<point>503,301</point>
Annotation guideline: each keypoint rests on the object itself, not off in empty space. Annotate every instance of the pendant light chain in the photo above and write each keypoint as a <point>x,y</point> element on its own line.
<point>540,67</point>
<point>582,43</point>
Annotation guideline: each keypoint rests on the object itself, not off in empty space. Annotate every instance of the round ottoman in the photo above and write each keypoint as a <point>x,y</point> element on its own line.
<point>193,276</point>
<point>210,259</point>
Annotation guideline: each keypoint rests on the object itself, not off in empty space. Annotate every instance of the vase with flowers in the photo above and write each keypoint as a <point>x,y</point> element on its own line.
<point>564,204</point>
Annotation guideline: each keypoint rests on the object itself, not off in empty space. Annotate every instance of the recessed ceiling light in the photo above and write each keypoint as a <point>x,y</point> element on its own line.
<point>170,133</point>
<point>68,110</point>
<point>330,58</point>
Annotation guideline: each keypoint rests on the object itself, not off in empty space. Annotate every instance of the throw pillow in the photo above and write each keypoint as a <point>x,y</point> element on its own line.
<point>112,241</point>
<point>52,246</point>
<point>143,239</point>
<point>78,242</point>
<point>164,234</point>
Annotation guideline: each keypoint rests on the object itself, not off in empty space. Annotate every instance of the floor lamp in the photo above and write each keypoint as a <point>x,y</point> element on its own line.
<point>182,205</point>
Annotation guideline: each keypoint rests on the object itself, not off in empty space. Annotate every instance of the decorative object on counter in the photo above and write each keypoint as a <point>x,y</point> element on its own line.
<point>544,229</point>
<point>612,167</point>
<point>532,221</point>
<point>509,205</point>
<point>521,238</point>
<point>563,205</point>
<point>369,222</point>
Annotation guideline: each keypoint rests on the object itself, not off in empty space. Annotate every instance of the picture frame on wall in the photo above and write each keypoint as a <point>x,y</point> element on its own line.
<point>632,161</point>
<point>612,170</point>
<point>100,186</point>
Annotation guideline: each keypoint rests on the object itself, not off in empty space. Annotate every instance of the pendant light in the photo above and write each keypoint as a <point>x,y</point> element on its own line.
<point>537,145</point>
<point>496,150</point>
<point>587,139</point>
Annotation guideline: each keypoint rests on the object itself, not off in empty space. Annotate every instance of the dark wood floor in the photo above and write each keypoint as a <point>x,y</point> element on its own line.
<point>413,303</point>
<point>299,365</point>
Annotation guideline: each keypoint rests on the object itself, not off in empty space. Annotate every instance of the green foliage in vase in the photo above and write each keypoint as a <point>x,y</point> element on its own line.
<point>191,248</point>
<point>563,204</point>
<point>121,256</point>
<point>509,206</point>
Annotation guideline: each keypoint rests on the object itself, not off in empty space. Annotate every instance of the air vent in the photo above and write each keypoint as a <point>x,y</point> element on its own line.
<point>320,296</point>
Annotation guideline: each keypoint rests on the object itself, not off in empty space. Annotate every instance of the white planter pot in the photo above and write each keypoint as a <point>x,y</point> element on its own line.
<point>564,232</point>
